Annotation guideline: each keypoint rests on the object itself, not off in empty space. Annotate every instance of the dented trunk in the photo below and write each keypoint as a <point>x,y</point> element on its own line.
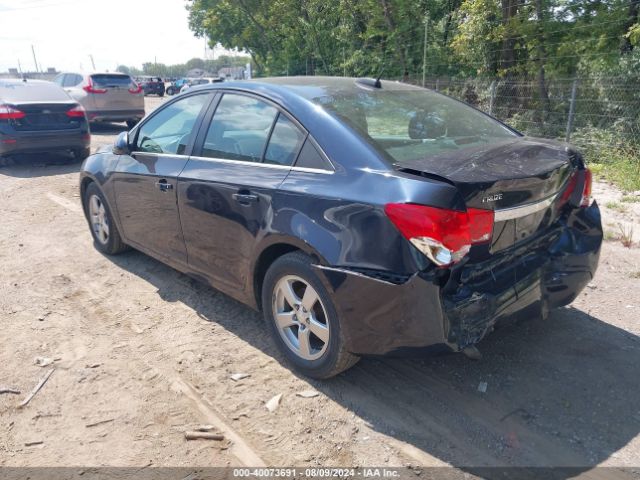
<point>518,178</point>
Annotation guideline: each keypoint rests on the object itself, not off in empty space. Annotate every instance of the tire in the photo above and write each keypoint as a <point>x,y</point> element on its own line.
<point>170,91</point>
<point>314,357</point>
<point>132,123</point>
<point>111,243</point>
<point>161,94</point>
<point>81,153</point>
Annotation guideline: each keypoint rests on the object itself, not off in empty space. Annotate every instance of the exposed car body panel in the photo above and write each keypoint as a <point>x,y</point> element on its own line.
<point>390,297</point>
<point>396,318</point>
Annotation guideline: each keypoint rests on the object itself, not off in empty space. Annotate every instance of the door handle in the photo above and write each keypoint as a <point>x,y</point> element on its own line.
<point>245,198</point>
<point>164,186</point>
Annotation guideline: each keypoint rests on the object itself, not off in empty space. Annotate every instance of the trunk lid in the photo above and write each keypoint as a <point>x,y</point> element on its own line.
<point>46,116</point>
<point>518,178</point>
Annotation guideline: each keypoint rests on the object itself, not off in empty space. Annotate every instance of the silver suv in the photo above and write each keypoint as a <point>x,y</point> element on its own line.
<point>110,97</point>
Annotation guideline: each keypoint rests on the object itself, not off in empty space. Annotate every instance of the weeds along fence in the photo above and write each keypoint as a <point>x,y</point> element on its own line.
<point>599,115</point>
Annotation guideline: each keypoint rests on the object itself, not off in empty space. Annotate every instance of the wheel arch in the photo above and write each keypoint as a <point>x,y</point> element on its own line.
<point>270,252</point>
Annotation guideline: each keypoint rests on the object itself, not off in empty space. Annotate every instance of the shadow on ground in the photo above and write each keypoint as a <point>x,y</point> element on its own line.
<point>39,165</point>
<point>559,391</point>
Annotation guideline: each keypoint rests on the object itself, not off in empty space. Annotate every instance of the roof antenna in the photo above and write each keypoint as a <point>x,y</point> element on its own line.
<point>378,84</point>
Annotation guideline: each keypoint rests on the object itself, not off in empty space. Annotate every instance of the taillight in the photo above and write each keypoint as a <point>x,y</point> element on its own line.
<point>444,236</point>
<point>572,183</point>
<point>7,112</point>
<point>89,88</point>
<point>586,189</point>
<point>76,112</point>
<point>135,88</point>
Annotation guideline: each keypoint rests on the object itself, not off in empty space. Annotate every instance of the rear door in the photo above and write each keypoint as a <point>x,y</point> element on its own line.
<point>226,190</point>
<point>116,95</point>
<point>145,180</point>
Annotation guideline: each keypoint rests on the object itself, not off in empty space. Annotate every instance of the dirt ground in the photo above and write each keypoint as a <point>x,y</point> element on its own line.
<point>142,353</point>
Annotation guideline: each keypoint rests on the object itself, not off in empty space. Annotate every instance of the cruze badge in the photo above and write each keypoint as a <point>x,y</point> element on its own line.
<point>492,198</point>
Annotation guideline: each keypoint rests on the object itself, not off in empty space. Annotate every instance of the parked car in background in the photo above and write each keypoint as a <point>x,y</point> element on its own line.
<point>193,82</point>
<point>151,85</point>
<point>176,86</point>
<point>106,97</point>
<point>362,217</point>
<point>38,116</point>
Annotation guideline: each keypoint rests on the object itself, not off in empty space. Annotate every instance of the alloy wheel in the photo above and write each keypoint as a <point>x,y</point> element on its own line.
<point>300,317</point>
<point>98,218</point>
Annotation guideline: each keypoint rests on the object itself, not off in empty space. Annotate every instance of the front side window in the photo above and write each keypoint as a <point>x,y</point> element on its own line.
<point>413,124</point>
<point>169,131</point>
<point>239,129</point>
<point>285,142</point>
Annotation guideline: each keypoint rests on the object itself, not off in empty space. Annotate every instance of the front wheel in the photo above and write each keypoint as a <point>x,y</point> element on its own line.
<point>303,319</point>
<point>170,91</point>
<point>103,228</point>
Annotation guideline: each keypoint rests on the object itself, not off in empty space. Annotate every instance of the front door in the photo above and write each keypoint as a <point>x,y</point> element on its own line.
<point>145,181</point>
<point>226,189</point>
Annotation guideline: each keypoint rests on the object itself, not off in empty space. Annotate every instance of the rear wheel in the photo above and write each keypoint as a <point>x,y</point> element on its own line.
<point>303,319</point>
<point>81,153</point>
<point>103,228</point>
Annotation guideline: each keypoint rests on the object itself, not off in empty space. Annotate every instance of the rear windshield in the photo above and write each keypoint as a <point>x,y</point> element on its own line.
<point>110,80</point>
<point>31,91</point>
<point>413,124</point>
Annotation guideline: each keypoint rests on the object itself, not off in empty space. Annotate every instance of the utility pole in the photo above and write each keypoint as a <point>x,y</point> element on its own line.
<point>19,67</point>
<point>93,64</point>
<point>34,58</point>
<point>424,50</point>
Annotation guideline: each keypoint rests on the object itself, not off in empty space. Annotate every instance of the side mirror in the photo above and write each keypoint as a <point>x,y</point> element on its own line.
<point>121,145</point>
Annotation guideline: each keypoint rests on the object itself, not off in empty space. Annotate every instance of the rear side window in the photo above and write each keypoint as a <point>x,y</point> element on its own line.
<point>169,131</point>
<point>106,80</point>
<point>71,80</point>
<point>285,142</point>
<point>310,158</point>
<point>239,129</point>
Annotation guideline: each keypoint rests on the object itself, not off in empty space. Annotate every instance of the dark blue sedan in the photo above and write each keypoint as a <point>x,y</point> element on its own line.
<point>362,217</point>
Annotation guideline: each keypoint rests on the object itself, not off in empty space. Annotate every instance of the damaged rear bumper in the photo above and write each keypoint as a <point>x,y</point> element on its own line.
<point>427,313</point>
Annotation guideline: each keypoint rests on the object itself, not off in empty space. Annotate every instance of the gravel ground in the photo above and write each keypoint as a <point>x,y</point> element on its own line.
<point>142,353</point>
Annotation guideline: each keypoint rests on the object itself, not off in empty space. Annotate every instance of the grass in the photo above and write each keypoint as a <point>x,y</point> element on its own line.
<point>630,198</point>
<point>616,206</point>
<point>626,235</point>
<point>612,155</point>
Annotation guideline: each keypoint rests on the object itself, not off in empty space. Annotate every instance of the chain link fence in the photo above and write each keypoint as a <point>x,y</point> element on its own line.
<point>597,114</point>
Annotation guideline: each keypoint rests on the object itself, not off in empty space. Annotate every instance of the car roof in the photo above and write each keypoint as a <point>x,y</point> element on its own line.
<point>310,88</point>
<point>86,74</point>
<point>16,90</point>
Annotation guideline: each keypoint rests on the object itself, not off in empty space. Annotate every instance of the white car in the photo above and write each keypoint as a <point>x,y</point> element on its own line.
<point>200,81</point>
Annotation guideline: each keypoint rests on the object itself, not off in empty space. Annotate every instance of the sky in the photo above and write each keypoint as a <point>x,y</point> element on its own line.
<point>65,32</point>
